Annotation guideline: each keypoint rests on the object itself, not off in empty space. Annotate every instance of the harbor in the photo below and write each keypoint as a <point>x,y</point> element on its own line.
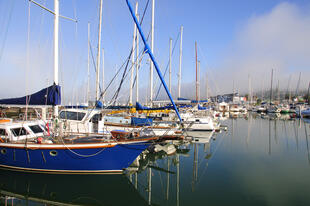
<point>250,163</point>
<point>98,114</point>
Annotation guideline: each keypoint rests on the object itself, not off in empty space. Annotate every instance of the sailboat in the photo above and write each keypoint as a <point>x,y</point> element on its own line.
<point>72,154</point>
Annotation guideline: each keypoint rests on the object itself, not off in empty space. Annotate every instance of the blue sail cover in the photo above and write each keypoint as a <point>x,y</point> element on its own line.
<point>140,107</point>
<point>201,108</point>
<point>193,101</point>
<point>48,96</point>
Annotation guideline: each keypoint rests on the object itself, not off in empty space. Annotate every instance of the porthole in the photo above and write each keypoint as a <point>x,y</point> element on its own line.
<point>53,153</point>
<point>3,151</point>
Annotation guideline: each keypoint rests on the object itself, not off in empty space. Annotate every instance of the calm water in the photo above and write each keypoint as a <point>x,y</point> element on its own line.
<point>257,161</point>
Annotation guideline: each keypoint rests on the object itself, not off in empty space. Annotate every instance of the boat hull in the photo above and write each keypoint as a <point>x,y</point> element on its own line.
<point>101,159</point>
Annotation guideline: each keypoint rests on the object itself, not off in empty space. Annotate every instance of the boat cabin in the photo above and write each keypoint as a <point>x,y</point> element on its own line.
<point>19,131</point>
<point>80,120</point>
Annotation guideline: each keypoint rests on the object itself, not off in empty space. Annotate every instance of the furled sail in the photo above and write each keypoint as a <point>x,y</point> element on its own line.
<point>47,96</point>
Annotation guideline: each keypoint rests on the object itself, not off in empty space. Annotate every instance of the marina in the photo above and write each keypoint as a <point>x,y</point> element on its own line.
<point>106,123</point>
<point>250,163</point>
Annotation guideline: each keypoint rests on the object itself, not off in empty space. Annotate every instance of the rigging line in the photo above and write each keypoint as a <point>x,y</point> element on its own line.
<point>115,96</point>
<point>123,77</point>
<point>103,93</point>
<point>175,43</point>
<point>134,81</point>
<point>7,28</point>
<point>41,26</point>
<point>28,60</point>
<point>94,63</point>
<point>146,6</point>
<point>138,62</point>
<point>210,70</point>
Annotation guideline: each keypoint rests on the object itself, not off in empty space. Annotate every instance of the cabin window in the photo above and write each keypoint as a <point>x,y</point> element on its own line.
<point>36,129</point>
<point>95,118</point>
<point>197,120</point>
<point>19,131</point>
<point>2,132</point>
<point>71,115</point>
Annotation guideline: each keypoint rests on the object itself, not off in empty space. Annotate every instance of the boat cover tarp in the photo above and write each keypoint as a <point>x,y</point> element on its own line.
<point>193,101</point>
<point>48,96</point>
<point>75,106</point>
<point>201,108</point>
<point>135,121</point>
<point>185,106</point>
<point>118,107</point>
<point>140,107</point>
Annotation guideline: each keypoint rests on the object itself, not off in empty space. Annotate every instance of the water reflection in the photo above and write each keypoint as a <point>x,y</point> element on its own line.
<point>51,189</point>
<point>261,160</point>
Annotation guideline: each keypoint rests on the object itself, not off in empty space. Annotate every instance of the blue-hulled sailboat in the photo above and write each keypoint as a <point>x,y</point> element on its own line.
<point>20,149</point>
<point>75,154</point>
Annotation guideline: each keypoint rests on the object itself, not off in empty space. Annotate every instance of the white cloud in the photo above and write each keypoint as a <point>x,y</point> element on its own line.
<point>279,39</point>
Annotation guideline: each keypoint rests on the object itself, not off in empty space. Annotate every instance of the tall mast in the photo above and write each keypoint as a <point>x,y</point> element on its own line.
<point>297,88</point>
<point>180,64</point>
<point>249,92</point>
<point>207,86</point>
<point>88,74</point>
<point>196,73</point>
<point>233,90</point>
<point>263,89</point>
<point>56,50</point>
<point>288,88</point>
<point>152,50</point>
<point>98,51</point>
<point>137,61</point>
<point>198,83</point>
<point>133,58</point>
<point>271,86</point>
<point>103,75</point>
<point>308,94</point>
<point>278,91</point>
<point>149,52</point>
<point>170,47</point>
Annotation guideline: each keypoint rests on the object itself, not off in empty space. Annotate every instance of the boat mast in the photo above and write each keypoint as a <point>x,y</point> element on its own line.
<point>102,75</point>
<point>170,47</point>
<point>137,60</point>
<point>56,49</point>
<point>278,91</point>
<point>271,86</point>
<point>308,94</point>
<point>198,81</point>
<point>133,58</point>
<point>152,50</point>
<point>297,88</point>
<point>196,73</point>
<point>207,86</point>
<point>149,52</point>
<point>98,51</point>
<point>288,87</point>
<point>180,63</point>
<point>88,74</point>
<point>249,89</point>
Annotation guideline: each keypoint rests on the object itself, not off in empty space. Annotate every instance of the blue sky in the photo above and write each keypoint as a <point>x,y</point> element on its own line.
<point>223,30</point>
